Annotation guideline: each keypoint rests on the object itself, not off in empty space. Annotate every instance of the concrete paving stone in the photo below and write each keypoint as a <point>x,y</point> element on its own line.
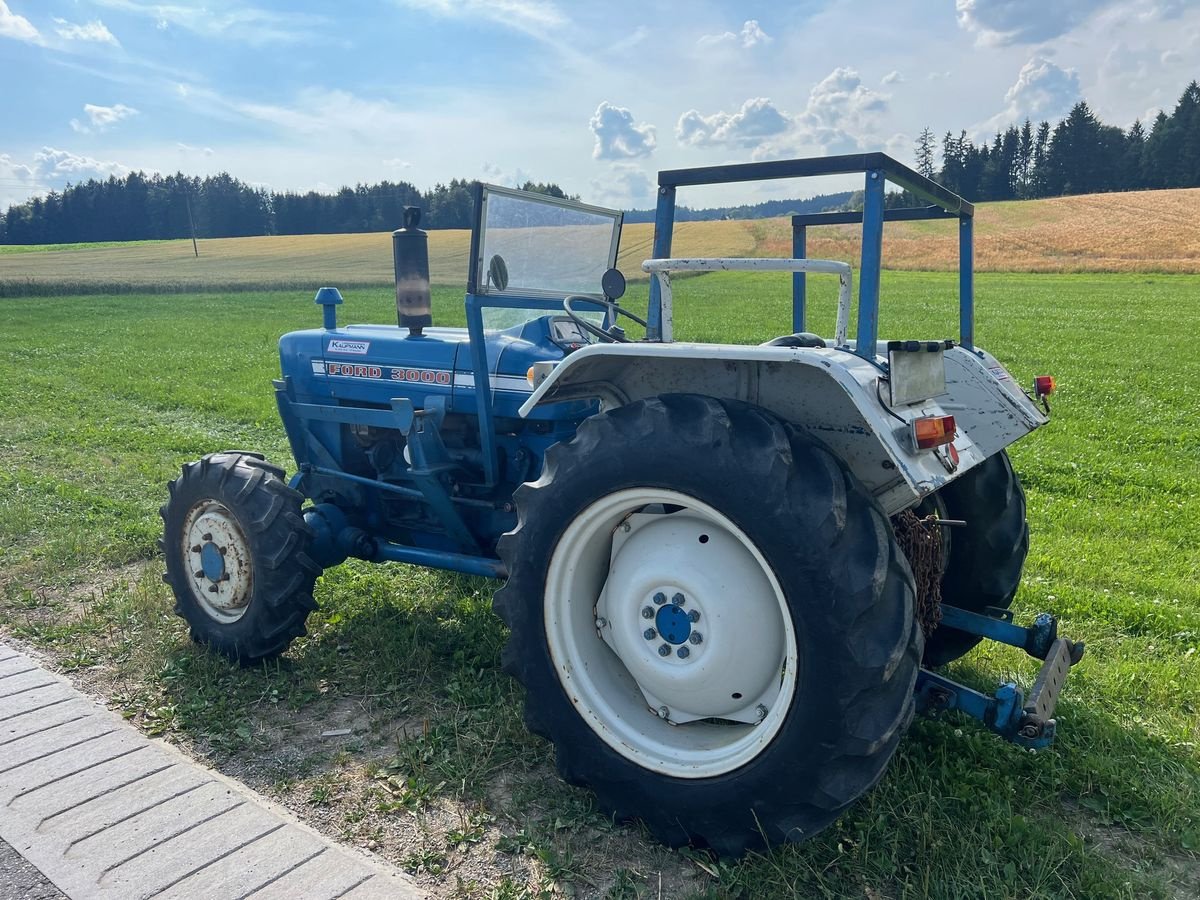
<point>53,717</point>
<point>48,801</point>
<point>252,866</point>
<point>21,682</point>
<point>108,814</point>
<point>171,859</point>
<point>14,664</point>
<point>34,701</point>
<point>160,823</point>
<point>380,887</point>
<point>69,739</point>
<point>324,877</point>
<point>107,810</point>
<point>44,771</point>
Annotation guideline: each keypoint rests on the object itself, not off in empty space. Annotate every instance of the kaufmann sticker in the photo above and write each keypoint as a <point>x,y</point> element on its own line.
<point>358,348</point>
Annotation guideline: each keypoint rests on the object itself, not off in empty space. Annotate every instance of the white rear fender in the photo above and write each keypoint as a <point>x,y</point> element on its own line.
<point>831,394</point>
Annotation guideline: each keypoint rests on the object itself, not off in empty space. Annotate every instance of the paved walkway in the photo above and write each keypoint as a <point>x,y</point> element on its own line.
<point>105,812</point>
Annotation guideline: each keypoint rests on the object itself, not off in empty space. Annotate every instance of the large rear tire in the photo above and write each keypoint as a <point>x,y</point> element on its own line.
<point>712,621</point>
<point>984,557</point>
<point>235,546</point>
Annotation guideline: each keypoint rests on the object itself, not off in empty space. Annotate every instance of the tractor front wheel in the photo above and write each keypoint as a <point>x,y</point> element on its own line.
<point>712,621</point>
<point>235,547</point>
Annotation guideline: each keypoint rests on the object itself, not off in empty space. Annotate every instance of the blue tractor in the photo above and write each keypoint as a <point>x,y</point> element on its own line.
<point>729,571</point>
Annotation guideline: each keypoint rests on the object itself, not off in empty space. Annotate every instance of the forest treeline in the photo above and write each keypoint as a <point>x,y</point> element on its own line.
<point>1078,155</point>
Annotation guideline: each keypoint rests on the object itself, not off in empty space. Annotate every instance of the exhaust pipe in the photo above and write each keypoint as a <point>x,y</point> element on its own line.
<point>410,255</point>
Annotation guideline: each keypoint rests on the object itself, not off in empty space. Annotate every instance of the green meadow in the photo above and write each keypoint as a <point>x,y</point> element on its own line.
<point>102,397</point>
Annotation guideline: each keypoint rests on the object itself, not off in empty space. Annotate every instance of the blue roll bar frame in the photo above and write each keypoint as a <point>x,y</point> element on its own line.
<point>877,168</point>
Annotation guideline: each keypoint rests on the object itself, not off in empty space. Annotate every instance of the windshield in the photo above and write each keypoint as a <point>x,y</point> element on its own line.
<point>549,247</point>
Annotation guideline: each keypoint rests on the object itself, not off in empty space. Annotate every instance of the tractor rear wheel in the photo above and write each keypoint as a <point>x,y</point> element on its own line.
<point>712,621</point>
<point>984,558</point>
<point>235,547</point>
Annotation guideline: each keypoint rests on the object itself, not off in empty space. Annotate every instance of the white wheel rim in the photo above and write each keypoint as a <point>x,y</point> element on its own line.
<point>217,556</point>
<point>715,706</point>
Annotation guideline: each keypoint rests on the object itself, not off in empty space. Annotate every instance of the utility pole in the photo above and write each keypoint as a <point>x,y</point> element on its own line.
<point>187,197</point>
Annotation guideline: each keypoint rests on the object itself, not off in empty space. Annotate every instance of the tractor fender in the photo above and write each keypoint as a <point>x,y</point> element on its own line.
<point>832,394</point>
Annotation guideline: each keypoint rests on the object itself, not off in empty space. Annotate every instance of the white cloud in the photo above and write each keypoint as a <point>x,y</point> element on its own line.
<point>95,32</point>
<point>618,136</point>
<point>1170,57</point>
<point>533,17</point>
<point>103,117</point>
<point>63,163</point>
<point>17,27</point>
<point>1043,90</point>
<point>893,77</point>
<point>756,120</point>
<point>188,148</point>
<point>397,163</point>
<point>842,115</point>
<point>751,35</point>
<point>227,20</point>
<point>998,22</point>
<point>18,182</point>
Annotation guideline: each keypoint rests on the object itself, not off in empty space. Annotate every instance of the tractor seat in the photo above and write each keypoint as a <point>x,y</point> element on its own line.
<point>799,339</point>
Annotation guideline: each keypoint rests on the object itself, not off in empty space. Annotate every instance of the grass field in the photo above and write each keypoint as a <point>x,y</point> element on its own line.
<point>1149,231</point>
<point>102,397</point>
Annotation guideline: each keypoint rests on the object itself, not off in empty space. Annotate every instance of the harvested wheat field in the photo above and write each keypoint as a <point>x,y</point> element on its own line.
<point>1147,231</point>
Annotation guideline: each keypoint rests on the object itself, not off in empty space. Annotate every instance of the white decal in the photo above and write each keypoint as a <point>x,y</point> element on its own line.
<point>357,348</point>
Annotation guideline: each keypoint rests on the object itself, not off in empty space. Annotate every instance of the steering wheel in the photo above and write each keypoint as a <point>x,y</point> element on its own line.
<point>615,334</point>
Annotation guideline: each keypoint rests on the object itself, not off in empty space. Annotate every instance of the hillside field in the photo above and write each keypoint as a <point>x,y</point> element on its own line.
<point>103,397</point>
<point>1149,231</point>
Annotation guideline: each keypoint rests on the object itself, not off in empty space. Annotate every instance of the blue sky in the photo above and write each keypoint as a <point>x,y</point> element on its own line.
<point>594,96</point>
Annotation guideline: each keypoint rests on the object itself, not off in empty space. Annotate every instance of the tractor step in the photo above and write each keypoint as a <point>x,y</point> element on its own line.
<point>1027,721</point>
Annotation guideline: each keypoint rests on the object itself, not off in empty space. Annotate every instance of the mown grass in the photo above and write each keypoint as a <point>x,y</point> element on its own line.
<point>1147,231</point>
<point>101,398</point>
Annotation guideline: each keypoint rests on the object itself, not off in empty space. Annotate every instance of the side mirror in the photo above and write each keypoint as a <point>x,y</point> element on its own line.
<point>612,283</point>
<point>498,272</point>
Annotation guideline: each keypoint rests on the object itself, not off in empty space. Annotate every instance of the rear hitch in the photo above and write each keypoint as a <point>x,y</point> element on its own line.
<point>1026,721</point>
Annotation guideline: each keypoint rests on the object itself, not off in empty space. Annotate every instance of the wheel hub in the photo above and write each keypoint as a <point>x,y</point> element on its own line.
<point>217,554</point>
<point>212,561</point>
<point>714,650</point>
<point>673,624</point>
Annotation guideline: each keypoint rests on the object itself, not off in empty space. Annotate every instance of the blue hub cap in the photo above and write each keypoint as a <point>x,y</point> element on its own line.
<point>212,562</point>
<point>673,624</point>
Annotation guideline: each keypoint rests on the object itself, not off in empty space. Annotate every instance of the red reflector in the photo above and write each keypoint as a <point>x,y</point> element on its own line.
<point>1043,385</point>
<point>932,431</point>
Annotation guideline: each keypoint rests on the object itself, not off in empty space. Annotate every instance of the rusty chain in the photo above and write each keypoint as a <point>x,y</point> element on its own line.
<point>921,542</point>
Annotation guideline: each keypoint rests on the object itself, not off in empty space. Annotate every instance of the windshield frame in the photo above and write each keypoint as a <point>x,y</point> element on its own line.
<point>478,266</point>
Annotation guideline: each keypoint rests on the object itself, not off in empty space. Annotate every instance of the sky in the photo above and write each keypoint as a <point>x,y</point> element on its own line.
<point>596,97</point>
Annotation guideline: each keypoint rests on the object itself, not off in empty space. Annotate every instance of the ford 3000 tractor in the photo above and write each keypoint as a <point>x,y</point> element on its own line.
<point>730,572</point>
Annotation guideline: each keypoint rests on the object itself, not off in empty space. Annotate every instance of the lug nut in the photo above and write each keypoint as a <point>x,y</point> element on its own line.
<point>199,574</point>
<point>196,548</point>
<point>664,650</point>
<point>694,615</point>
<point>649,634</point>
<point>660,598</point>
<point>683,652</point>
<point>696,638</point>
<point>664,713</point>
<point>222,550</point>
<point>678,599</point>
<point>762,712</point>
<point>206,537</point>
<point>212,588</point>
<point>647,612</point>
<point>601,622</point>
